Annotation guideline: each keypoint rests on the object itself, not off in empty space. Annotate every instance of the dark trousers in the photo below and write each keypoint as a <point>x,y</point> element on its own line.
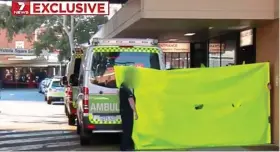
<point>127,143</point>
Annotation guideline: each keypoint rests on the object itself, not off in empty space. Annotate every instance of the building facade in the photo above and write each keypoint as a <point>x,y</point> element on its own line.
<point>213,33</point>
<point>19,66</point>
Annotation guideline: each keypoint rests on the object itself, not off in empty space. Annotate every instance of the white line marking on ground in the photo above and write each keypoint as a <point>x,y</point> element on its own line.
<point>39,146</point>
<point>17,141</point>
<point>29,134</point>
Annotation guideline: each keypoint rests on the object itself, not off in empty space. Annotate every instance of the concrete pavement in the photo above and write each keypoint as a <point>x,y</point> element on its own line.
<point>27,122</point>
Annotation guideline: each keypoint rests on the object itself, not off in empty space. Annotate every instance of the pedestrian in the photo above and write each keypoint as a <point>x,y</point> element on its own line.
<point>128,111</point>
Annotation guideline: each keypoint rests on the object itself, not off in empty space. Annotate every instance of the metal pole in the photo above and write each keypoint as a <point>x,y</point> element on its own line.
<point>60,72</point>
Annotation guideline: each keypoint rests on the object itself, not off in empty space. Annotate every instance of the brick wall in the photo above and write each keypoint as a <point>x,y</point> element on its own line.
<point>20,37</point>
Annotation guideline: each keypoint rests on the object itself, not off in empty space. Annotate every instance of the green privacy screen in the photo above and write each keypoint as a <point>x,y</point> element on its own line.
<point>203,107</point>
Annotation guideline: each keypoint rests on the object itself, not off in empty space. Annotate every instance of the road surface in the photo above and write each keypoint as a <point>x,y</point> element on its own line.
<point>21,95</point>
<point>28,123</point>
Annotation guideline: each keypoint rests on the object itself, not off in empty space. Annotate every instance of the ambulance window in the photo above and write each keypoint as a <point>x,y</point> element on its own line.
<point>103,63</point>
<point>77,65</point>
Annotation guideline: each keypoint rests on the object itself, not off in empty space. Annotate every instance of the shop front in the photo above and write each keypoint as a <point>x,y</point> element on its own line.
<point>27,76</point>
<point>22,77</point>
<point>19,68</point>
<point>232,48</point>
<point>222,49</point>
<point>176,55</point>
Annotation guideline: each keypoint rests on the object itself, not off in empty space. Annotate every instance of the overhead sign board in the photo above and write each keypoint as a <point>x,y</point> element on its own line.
<point>9,51</point>
<point>19,44</point>
<point>216,47</point>
<point>175,47</point>
<point>246,38</point>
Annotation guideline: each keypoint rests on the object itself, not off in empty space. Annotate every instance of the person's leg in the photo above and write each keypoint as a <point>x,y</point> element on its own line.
<point>132,143</point>
<point>127,143</point>
<point>122,136</point>
<point>124,139</point>
<point>129,133</point>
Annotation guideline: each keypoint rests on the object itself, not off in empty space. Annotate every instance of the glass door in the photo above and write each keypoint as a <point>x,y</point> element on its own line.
<point>199,54</point>
<point>176,60</point>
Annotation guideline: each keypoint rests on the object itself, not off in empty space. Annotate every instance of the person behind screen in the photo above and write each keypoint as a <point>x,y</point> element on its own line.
<point>8,75</point>
<point>127,110</point>
<point>269,86</point>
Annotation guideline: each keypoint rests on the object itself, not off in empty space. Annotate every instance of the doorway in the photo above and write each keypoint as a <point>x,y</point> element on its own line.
<point>246,54</point>
<point>247,50</point>
<point>199,55</point>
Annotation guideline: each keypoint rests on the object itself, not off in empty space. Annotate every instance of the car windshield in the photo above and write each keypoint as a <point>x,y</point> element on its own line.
<point>103,63</point>
<point>56,84</point>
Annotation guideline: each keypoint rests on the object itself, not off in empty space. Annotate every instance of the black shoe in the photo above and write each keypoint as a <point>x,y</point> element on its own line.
<point>128,149</point>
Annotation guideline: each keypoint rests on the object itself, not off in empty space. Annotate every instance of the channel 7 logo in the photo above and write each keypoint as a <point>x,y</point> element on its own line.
<point>20,7</point>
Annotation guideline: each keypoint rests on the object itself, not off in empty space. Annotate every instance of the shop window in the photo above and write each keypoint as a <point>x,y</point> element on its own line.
<point>18,77</point>
<point>214,48</point>
<point>21,74</point>
<point>9,74</point>
<point>222,50</point>
<point>177,60</point>
<point>24,74</point>
<point>184,60</point>
<point>167,60</point>
<point>228,55</point>
<point>176,55</point>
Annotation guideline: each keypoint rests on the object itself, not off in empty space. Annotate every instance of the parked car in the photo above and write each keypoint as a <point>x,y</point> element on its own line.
<point>54,92</point>
<point>43,85</point>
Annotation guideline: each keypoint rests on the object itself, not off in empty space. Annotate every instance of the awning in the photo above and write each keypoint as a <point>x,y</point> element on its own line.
<point>159,18</point>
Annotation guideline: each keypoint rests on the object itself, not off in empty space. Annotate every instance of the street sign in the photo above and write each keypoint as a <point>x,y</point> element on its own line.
<point>15,51</point>
<point>19,44</point>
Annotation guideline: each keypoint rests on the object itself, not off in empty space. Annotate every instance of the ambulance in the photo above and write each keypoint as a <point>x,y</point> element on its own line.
<point>71,87</point>
<point>98,101</point>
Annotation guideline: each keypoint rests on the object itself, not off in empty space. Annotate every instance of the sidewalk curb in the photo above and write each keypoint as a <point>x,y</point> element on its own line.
<point>269,147</point>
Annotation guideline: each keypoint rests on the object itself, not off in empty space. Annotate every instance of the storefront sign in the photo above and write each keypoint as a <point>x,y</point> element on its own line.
<point>16,51</point>
<point>175,47</point>
<point>246,38</point>
<point>19,44</point>
<point>216,47</point>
